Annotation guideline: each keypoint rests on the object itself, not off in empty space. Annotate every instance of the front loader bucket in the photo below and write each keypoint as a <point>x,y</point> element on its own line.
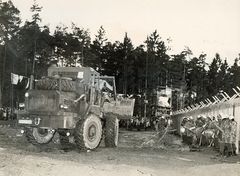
<point>123,109</point>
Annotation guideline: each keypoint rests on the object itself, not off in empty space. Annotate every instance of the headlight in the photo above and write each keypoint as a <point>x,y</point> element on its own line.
<point>63,106</point>
<point>26,94</point>
<point>182,129</point>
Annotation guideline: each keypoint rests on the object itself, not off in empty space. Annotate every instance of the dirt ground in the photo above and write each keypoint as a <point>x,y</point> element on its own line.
<point>136,155</point>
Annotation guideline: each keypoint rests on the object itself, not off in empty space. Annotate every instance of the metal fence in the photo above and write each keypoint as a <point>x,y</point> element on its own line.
<point>229,106</point>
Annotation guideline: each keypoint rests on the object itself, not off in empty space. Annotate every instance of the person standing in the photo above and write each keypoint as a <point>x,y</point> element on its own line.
<point>233,126</point>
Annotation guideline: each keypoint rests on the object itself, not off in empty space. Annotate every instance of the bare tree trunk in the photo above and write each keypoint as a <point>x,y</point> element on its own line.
<point>125,80</point>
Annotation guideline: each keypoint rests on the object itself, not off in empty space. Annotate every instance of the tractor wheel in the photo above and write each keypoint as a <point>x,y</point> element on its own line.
<point>88,133</point>
<point>112,129</point>
<point>39,136</point>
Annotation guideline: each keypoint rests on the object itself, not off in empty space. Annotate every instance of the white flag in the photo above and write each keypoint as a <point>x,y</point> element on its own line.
<point>14,79</point>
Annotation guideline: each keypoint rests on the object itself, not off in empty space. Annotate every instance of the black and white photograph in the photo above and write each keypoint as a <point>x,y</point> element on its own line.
<point>120,88</point>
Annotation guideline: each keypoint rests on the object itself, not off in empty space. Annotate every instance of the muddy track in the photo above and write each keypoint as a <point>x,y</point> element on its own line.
<point>18,157</point>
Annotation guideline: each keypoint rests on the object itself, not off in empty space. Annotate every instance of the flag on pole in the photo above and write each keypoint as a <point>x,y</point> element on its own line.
<point>14,78</point>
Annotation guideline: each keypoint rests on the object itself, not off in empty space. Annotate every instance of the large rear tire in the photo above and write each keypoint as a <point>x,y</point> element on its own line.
<point>39,136</point>
<point>112,130</point>
<point>88,133</point>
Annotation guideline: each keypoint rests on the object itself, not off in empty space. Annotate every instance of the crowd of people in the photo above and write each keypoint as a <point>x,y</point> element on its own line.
<point>138,123</point>
<point>141,123</point>
<point>5,113</point>
<point>215,131</point>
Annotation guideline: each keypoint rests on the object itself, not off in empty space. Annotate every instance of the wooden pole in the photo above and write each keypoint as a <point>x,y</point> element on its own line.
<point>236,111</point>
<point>114,89</point>
<point>146,85</point>
<point>12,91</point>
<point>0,94</point>
<point>82,53</point>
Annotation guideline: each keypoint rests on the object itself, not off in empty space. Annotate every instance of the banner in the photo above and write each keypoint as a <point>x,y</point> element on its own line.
<point>164,97</point>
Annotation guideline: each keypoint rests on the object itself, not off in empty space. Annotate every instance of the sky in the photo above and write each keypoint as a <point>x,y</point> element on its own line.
<point>205,26</point>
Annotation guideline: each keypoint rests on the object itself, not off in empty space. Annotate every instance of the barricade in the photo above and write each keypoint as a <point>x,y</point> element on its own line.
<point>228,106</point>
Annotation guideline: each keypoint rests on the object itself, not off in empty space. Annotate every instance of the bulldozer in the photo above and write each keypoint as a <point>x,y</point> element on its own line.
<point>74,102</point>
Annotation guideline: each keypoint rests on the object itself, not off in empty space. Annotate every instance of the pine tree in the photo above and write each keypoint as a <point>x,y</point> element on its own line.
<point>235,73</point>
<point>97,49</point>
<point>224,77</point>
<point>213,74</point>
<point>9,25</point>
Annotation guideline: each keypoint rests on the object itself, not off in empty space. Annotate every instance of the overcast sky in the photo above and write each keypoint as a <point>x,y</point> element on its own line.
<point>207,26</point>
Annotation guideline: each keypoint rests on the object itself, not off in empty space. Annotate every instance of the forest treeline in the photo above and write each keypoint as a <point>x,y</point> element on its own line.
<point>28,47</point>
